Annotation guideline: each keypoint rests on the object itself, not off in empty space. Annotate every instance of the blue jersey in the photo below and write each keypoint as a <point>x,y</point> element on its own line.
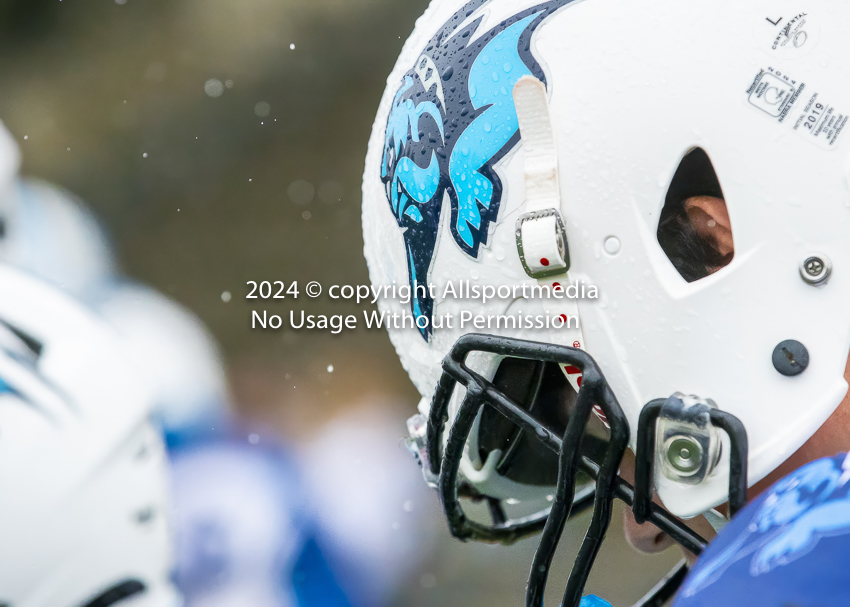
<point>790,546</point>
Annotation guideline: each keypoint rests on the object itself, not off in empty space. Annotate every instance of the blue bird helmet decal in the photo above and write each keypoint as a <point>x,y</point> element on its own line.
<point>451,120</point>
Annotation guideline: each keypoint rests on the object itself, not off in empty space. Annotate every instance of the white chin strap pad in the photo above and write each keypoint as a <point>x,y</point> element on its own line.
<point>541,239</point>
<point>540,233</point>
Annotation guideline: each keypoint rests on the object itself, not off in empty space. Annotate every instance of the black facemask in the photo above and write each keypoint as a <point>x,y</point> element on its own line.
<point>540,426</point>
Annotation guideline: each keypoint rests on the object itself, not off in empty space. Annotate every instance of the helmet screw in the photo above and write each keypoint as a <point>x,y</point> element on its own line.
<point>816,269</point>
<point>684,454</point>
<point>790,357</point>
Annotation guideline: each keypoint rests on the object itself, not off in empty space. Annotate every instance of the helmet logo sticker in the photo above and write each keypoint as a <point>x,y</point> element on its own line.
<point>785,29</point>
<point>776,93</point>
<point>451,120</point>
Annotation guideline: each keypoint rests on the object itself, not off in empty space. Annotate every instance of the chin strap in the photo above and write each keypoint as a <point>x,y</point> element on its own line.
<point>540,233</point>
<point>541,238</point>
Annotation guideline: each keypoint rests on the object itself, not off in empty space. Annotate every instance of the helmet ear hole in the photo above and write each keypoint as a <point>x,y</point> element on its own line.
<point>694,229</point>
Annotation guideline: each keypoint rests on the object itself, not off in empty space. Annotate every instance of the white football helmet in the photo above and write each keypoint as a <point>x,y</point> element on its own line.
<point>588,164</point>
<point>10,162</point>
<point>48,231</point>
<point>83,519</point>
<point>51,234</point>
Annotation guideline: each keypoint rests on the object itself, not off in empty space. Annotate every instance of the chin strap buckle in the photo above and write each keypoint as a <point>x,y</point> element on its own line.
<point>541,241</point>
<point>540,235</point>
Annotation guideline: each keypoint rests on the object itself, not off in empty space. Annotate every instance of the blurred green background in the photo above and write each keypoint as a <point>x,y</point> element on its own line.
<point>216,153</point>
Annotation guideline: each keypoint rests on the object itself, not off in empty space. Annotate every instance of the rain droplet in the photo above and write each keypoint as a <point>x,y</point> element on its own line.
<point>330,192</point>
<point>214,87</point>
<point>262,109</point>
<point>301,192</point>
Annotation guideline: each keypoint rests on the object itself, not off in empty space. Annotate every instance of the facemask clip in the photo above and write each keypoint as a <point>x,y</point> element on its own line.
<point>416,444</point>
<point>680,437</point>
<point>541,242</point>
<point>688,446</point>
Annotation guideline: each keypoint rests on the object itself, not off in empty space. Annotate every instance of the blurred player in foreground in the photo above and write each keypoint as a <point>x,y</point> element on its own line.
<point>83,519</point>
<point>247,528</point>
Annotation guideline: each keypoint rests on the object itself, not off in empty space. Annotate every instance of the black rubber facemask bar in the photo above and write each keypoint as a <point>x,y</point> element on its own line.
<point>445,461</point>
